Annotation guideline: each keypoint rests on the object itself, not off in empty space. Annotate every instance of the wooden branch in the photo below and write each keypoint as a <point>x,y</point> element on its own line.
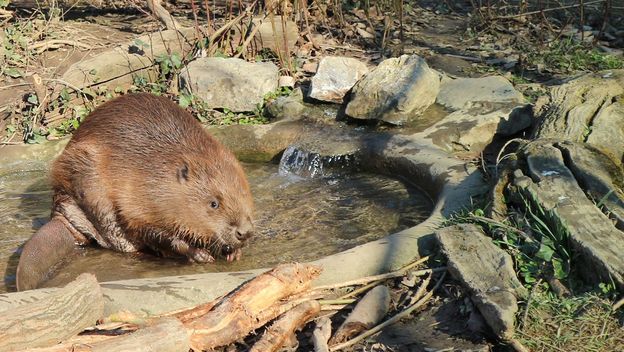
<point>366,314</point>
<point>549,9</point>
<point>321,334</point>
<point>166,335</point>
<point>284,328</point>
<point>392,320</point>
<point>233,317</point>
<point>54,318</point>
<point>162,14</point>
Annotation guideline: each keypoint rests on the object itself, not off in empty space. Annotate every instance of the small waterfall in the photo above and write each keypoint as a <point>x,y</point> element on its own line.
<point>303,163</point>
<point>299,162</point>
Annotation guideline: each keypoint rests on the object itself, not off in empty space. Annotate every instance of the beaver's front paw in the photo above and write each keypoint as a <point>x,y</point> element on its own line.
<point>200,255</point>
<point>235,255</point>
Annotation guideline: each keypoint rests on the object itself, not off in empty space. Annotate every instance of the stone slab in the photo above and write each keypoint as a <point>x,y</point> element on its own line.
<point>487,271</point>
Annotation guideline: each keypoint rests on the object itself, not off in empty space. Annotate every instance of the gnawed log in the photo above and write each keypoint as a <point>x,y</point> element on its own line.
<point>237,314</point>
<point>321,334</point>
<point>54,318</point>
<point>283,329</point>
<point>367,313</point>
<point>165,335</point>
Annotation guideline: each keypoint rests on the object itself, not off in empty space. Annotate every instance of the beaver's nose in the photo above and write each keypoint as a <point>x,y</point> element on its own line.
<point>242,236</point>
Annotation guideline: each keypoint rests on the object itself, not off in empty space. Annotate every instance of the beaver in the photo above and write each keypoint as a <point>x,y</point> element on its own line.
<point>140,173</point>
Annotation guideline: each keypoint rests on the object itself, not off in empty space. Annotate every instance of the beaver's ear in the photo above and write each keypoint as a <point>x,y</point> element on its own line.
<point>183,173</point>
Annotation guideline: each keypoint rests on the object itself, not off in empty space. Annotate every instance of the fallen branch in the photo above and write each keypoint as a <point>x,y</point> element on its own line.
<point>57,43</point>
<point>162,14</point>
<point>321,334</point>
<point>166,335</point>
<point>369,311</point>
<point>54,318</point>
<point>284,328</point>
<point>392,320</point>
<point>237,314</point>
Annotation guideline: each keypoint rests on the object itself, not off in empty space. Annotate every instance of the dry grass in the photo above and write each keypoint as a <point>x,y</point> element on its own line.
<point>582,323</point>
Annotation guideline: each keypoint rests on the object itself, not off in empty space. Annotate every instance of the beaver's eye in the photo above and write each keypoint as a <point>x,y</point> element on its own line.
<point>214,204</point>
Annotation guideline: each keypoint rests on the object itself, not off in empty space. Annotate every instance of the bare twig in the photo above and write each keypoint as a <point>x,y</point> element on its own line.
<point>368,279</point>
<point>550,9</point>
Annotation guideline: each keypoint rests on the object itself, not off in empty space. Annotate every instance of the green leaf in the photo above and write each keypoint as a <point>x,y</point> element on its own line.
<point>545,252</point>
<point>138,42</point>
<point>89,92</point>
<point>185,100</point>
<point>176,61</point>
<point>559,269</point>
<point>32,98</point>
<point>65,94</point>
<point>13,72</point>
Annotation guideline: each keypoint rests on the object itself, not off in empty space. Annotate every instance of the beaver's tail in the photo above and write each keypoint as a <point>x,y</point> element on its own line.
<point>42,253</point>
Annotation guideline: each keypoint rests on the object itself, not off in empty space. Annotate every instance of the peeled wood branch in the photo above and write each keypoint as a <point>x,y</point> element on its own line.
<point>367,313</point>
<point>54,318</point>
<point>321,334</point>
<point>284,328</point>
<point>163,15</point>
<point>166,335</point>
<point>233,317</point>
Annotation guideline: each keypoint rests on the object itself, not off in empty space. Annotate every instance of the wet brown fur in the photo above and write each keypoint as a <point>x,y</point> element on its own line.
<point>141,172</point>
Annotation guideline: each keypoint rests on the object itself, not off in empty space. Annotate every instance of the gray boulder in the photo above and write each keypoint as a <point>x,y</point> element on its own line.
<point>335,76</point>
<point>230,83</point>
<point>287,107</point>
<point>456,94</point>
<point>473,129</point>
<point>486,271</point>
<point>395,91</point>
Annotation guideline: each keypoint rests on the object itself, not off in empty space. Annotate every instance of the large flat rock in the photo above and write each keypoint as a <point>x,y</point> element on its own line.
<point>120,64</point>
<point>487,271</point>
<point>459,93</point>
<point>395,91</point>
<point>597,243</point>
<point>230,83</point>
<point>472,129</point>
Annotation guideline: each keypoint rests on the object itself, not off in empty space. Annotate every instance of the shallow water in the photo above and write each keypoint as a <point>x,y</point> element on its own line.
<point>297,219</point>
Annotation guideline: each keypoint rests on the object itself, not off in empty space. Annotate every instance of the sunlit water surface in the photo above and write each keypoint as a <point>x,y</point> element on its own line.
<point>297,220</point>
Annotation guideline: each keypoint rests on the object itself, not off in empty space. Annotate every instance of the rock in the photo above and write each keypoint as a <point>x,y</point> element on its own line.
<point>594,240</point>
<point>286,81</point>
<point>335,76</point>
<point>487,271</point>
<point>310,67</point>
<point>600,176</point>
<point>458,93</point>
<point>118,66</point>
<point>287,107</point>
<point>396,90</point>
<point>230,83</point>
<point>587,109</point>
<point>473,129</point>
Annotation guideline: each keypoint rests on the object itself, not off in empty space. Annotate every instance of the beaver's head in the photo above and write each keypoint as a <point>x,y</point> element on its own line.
<point>212,207</point>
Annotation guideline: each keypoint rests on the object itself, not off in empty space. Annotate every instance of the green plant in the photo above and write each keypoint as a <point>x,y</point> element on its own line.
<point>537,242</point>
<point>569,55</point>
